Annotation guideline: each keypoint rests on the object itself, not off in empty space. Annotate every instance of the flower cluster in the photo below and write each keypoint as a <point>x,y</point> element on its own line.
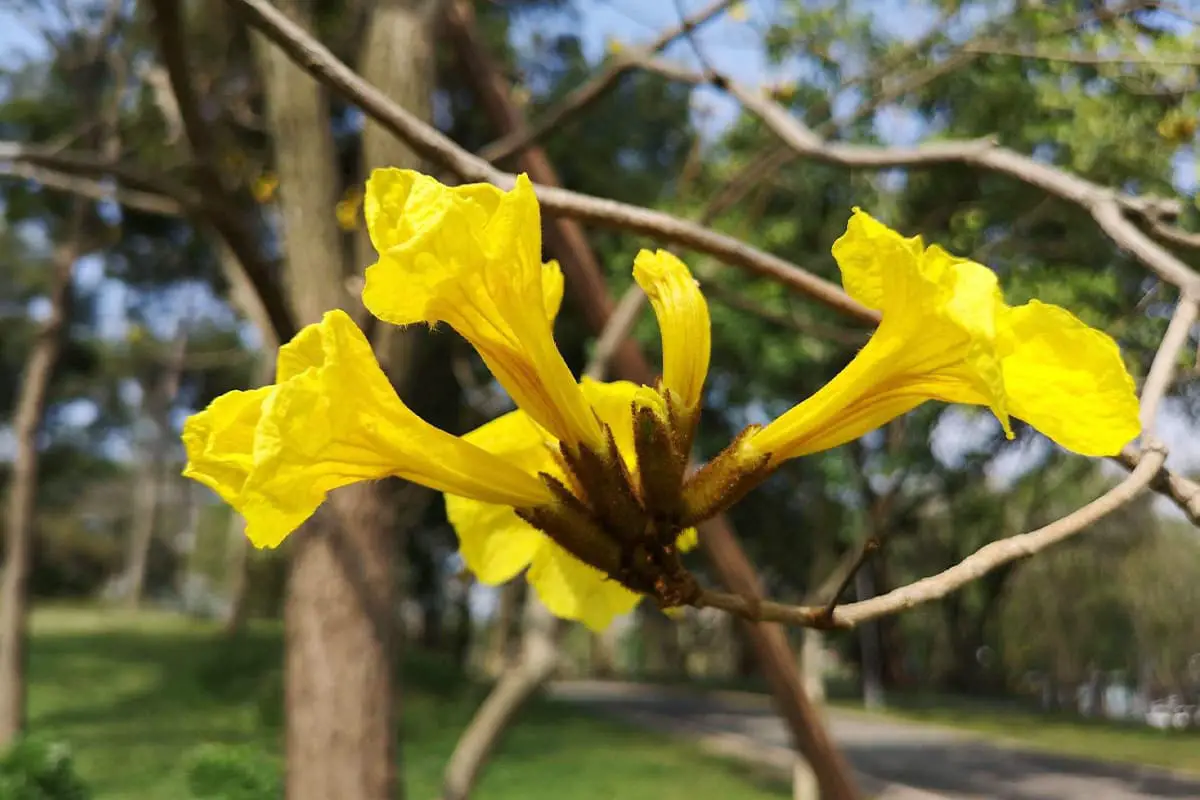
<point>586,485</point>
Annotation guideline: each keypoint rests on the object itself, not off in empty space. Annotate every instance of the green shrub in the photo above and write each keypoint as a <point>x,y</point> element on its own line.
<point>37,769</point>
<point>222,772</point>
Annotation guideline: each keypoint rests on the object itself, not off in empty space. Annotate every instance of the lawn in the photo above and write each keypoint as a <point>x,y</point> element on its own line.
<point>137,696</point>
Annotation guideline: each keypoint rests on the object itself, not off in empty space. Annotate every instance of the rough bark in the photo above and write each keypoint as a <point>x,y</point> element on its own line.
<point>339,614</point>
<point>148,478</point>
<point>22,488</point>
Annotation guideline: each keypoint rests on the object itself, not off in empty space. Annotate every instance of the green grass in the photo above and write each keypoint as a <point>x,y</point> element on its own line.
<point>135,695</point>
<point>1104,740</point>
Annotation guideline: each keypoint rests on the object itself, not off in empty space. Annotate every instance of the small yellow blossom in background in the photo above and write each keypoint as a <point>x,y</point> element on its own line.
<point>614,46</point>
<point>783,91</point>
<point>521,96</point>
<point>1177,126</point>
<point>738,12</point>
<point>347,209</point>
<point>585,486</point>
<point>264,187</point>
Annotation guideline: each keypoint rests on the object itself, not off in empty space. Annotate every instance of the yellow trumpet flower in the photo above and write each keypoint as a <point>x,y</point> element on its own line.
<point>585,486</point>
<point>948,335</point>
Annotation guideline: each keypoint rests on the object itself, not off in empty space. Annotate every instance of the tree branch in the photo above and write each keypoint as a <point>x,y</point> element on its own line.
<point>218,208</point>
<point>979,563</point>
<point>543,633</point>
<point>429,143</point>
<point>147,202</point>
<point>1105,205</point>
<point>1045,54</point>
<point>1146,471</point>
<point>595,87</point>
<point>616,330</point>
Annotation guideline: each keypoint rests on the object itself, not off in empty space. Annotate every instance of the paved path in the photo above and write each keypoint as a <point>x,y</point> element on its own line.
<point>895,760</point>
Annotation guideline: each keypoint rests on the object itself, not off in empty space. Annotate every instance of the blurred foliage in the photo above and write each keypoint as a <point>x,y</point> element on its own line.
<point>34,768</point>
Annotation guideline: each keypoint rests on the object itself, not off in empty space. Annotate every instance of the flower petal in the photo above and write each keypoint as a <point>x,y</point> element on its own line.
<point>574,590</point>
<point>220,441</point>
<point>470,256</point>
<point>331,423</point>
<point>1068,380</point>
<point>870,255</point>
<point>682,319</point>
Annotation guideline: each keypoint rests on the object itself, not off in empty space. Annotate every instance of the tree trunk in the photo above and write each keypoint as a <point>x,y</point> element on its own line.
<point>872,673</point>
<point>22,488</point>
<point>660,638</point>
<point>339,615</point>
<point>504,636</point>
<point>149,477</point>
<point>812,672</point>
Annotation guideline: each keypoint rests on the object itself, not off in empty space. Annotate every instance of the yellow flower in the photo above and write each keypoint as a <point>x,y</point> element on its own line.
<point>683,319</point>
<point>331,419</point>
<point>470,256</point>
<point>347,208</point>
<point>948,335</point>
<point>264,186</point>
<point>497,544</point>
<point>581,486</point>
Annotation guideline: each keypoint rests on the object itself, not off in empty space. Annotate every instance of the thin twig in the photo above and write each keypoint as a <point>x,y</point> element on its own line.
<point>772,161</point>
<point>865,552</point>
<point>540,652</point>
<point>146,202</point>
<point>1044,54</point>
<point>594,88</point>
<point>616,330</point>
<point>219,208</point>
<point>982,561</point>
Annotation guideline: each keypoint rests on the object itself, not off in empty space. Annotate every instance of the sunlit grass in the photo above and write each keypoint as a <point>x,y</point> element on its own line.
<point>136,694</point>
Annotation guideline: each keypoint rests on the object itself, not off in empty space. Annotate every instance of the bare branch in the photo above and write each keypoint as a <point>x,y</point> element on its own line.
<point>1045,54</point>
<point>147,202</point>
<point>539,657</point>
<point>1183,492</point>
<point>595,88</point>
<point>216,205</point>
<point>1104,204</point>
<point>770,162</point>
<point>1146,471</point>
<point>616,330</point>
<point>1162,369</point>
<point>429,143</point>
<point>982,561</point>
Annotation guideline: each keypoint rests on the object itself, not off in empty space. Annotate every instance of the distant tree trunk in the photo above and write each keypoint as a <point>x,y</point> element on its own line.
<point>812,672</point>
<point>22,487</point>
<point>237,555</point>
<point>148,478</point>
<point>464,628</point>
<point>664,656</point>
<point>237,563</point>
<point>505,635</point>
<point>602,661</point>
<point>872,672</point>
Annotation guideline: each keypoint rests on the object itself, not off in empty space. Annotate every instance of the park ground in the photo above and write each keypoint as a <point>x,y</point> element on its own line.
<point>140,697</point>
